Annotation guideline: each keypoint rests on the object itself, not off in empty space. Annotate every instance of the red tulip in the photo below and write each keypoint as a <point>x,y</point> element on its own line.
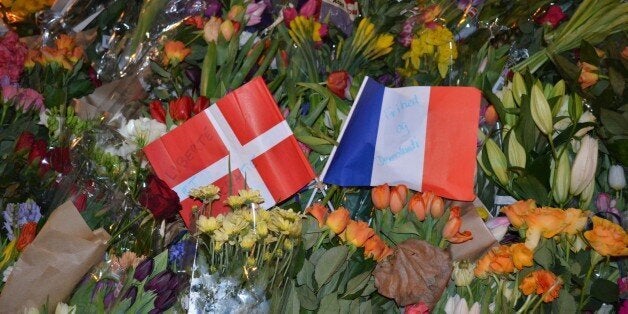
<point>200,104</point>
<point>338,83</point>
<point>157,111</point>
<point>181,109</point>
<point>24,143</point>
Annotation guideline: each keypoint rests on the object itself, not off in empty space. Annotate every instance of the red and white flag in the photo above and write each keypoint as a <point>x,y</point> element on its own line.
<point>244,132</point>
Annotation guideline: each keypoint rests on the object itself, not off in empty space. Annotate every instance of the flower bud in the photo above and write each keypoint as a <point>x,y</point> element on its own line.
<point>518,87</point>
<point>381,196</point>
<point>37,152</point>
<point>490,115</point>
<point>181,109</point>
<point>617,177</point>
<point>586,117</point>
<point>211,30</point>
<point>227,30</point>
<point>541,112</point>
<point>561,175</point>
<point>587,195</point>
<point>160,282</point>
<point>165,300</point>
<point>516,153</point>
<point>437,208</point>
<point>144,269</point>
<point>337,220</point>
<point>463,273</point>
<point>498,162</point>
<point>157,111</point>
<point>24,143</point>
<point>584,165</point>
<point>417,206</point>
<point>398,198</point>
<point>603,202</point>
<point>131,294</point>
<point>200,104</point>
<point>338,82</point>
<point>318,211</point>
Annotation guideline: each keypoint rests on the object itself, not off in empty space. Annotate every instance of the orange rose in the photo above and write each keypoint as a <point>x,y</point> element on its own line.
<point>546,222</point>
<point>358,232</point>
<point>381,196</point>
<point>501,260</point>
<point>318,211</point>
<point>588,75</point>
<point>451,231</point>
<point>337,220</point>
<point>542,282</point>
<point>398,196</point>
<point>607,238</point>
<point>517,212</point>
<point>522,256</point>
<point>417,206</point>
<point>174,52</point>
<point>483,266</point>
<point>374,248</point>
<point>27,235</point>
<point>575,220</point>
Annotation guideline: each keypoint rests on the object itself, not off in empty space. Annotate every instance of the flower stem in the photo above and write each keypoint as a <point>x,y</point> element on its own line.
<point>594,261</point>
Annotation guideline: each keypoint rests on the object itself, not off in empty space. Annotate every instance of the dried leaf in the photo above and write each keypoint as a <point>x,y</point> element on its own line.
<point>416,272</point>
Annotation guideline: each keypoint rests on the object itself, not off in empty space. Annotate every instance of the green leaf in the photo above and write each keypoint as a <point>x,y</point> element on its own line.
<point>614,122</point>
<point>565,303</point>
<point>307,298</point>
<point>292,304</point>
<point>617,80</point>
<point>543,256</point>
<point>159,70</point>
<point>370,287</point>
<point>304,277</point>
<point>529,187</point>
<point>357,284</point>
<point>619,149</point>
<point>605,290</point>
<point>330,304</point>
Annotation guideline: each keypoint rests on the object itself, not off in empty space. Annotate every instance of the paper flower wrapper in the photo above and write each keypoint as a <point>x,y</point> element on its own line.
<point>54,263</point>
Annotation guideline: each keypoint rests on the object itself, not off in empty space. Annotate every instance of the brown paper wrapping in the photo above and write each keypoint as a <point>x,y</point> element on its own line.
<point>482,240</point>
<point>54,263</point>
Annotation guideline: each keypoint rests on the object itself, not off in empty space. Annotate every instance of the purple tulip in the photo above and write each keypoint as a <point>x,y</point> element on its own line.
<point>144,269</point>
<point>165,299</point>
<point>212,8</point>
<point>177,282</point>
<point>603,202</point>
<point>193,74</point>
<point>109,299</point>
<point>159,283</point>
<point>131,294</point>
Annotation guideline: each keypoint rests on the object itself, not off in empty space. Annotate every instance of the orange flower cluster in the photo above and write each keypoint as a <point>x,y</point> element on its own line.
<point>356,233</point>
<point>174,52</point>
<point>504,259</point>
<point>546,221</point>
<point>426,203</point>
<point>65,54</point>
<point>543,283</point>
<point>607,238</point>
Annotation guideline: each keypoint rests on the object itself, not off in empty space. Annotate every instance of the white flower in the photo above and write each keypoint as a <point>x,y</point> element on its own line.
<point>458,305</point>
<point>63,308</point>
<point>584,165</point>
<point>31,310</point>
<point>617,177</point>
<point>586,117</point>
<point>143,131</point>
<point>498,227</point>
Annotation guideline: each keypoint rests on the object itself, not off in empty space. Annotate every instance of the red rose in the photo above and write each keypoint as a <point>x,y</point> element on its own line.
<point>27,235</point>
<point>553,16</point>
<point>162,201</point>
<point>157,111</point>
<point>181,109</point>
<point>24,143</point>
<point>338,83</point>
<point>200,104</point>
<point>59,159</point>
<point>37,152</point>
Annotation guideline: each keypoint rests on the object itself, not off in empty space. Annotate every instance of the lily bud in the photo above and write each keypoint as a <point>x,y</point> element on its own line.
<point>586,117</point>
<point>584,165</point>
<point>617,177</point>
<point>516,152</point>
<point>587,195</point>
<point>518,87</point>
<point>560,178</point>
<point>498,162</point>
<point>559,89</point>
<point>541,112</point>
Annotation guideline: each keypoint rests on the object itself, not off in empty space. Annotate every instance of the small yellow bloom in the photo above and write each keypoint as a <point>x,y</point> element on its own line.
<point>235,201</point>
<point>207,225</point>
<point>206,194</point>
<point>248,241</point>
<point>251,196</point>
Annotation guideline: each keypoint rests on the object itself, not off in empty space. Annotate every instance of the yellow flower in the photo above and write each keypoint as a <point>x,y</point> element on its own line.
<point>235,201</point>
<point>575,220</point>
<point>522,256</point>
<point>262,229</point>
<point>607,238</point>
<point>174,52</point>
<point>248,241</point>
<point>206,194</point>
<point>207,225</point>
<point>251,196</point>
<point>380,47</point>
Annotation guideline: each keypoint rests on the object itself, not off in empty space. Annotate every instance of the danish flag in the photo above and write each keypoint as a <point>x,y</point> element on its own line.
<point>241,140</point>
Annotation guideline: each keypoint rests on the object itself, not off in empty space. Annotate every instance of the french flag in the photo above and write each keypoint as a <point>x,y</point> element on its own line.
<point>422,136</point>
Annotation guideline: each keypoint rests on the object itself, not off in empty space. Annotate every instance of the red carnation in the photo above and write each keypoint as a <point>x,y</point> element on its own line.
<point>162,201</point>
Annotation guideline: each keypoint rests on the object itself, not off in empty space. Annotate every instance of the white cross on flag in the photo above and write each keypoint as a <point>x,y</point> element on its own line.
<point>245,132</point>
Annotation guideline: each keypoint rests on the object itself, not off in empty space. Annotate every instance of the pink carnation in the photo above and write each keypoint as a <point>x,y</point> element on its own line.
<point>12,55</point>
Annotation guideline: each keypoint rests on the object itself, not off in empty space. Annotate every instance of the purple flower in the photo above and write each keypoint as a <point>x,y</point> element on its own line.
<point>165,299</point>
<point>159,283</point>
<point>212,8</point>
<point>254,13</point>
<point>24,98</point>
<point>623,287</point>
<point>144,269</point>
<point>603,202</point>
<point>463,4</point>
<point>131,294</point>
<point>17,215</point>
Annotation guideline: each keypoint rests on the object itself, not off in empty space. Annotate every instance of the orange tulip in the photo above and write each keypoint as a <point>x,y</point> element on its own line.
<point>318,211</point>
<point>398,196</point>
<point>451,231</point>
<point>428,199</point>
<point>417,206</point>
<point>27,235</point>
<point>546,222</point>
<point>358,232</point>
<point>518,211</point>
<point>437,209</point>
<point>174,52</point>
<point>542,282</point>
<point>522,256</point>
<point>381,196</point>
<point>576,220</point>
<point>607,238</point>
<point>374,248</point>
<point>338,219</point>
